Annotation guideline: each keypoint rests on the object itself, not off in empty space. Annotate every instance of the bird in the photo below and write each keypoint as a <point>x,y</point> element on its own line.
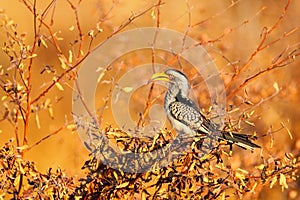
<point>184,115</point>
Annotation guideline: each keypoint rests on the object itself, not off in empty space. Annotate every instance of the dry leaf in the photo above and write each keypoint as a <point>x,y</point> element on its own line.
<point>43,42</point>
<point>71,127</point>
<point>282,182</point>
<point>123,185</point>
<point>37,120</point>
<point>70,60</point>
<point>275,85</point>
<point>59,86</point>
<point>127,89</point>
<point>62,63</point>
<point>274,180</point>
<point>71,28</point>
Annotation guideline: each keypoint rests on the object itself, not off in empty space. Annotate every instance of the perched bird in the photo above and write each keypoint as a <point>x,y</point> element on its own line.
<point>184,115</point>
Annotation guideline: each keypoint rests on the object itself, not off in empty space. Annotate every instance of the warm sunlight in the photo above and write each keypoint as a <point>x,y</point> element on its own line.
<point>89,111</point>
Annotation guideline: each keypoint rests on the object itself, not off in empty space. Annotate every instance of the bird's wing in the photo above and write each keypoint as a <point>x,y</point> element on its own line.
<point>180,98</point>
<point>191,117</point>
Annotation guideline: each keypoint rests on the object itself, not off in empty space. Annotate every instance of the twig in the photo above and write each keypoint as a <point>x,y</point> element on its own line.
<point>121,27</point>
<point>43,93</point>
<point>46,137</point>
<point>265,33</point>
<point>36,39</point>
<point>279,64</point>
<point>133,17</point>
<point>75,8</point>
<point>217,14</point>
<point>148,102</point>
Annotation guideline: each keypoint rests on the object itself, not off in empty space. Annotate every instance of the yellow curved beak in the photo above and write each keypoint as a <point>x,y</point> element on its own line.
<point>159,77</point>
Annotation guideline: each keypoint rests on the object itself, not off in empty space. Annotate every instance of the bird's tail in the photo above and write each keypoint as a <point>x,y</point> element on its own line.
<point>241,140</point>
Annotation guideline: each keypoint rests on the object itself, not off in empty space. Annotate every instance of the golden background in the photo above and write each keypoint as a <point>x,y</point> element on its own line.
<point>241,25</point>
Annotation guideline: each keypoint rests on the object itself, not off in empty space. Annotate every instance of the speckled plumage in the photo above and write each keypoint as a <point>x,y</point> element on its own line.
<point>185,117</point>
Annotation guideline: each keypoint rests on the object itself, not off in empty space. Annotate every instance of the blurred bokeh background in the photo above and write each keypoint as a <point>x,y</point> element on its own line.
<point>230,30</point>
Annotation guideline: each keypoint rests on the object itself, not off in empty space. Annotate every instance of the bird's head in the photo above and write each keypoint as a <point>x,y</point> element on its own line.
<point>175,78</point>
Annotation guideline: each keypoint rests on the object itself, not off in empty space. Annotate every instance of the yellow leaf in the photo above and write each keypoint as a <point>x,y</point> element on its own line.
<point>71,127</point>
<point>43,42</point>
<point>241,177</point>
<point>70,56</point>
<point>274,180</point>
<point>37,120</point>
<point>21,66</point>
<point>91,33</point>
<point>62,63</point>
<point>254,186</point>
<point>154,141</point>
<point>116,175</point>
<point>223,196</point>
<point>22,147</point>
<point>260,167</point>
<point>3,97</point>
<point>123,185</point>
<point>192,166</point>
<point>59,86</point>
<point>32,56</point>
<point>10,22</point>
<point>50,110</point>
<point>99,69</point>
<point>101,75</point>
<point>20,87</point>
<point>127,89</point>
<point>234,110</point>
<point>147,174</point>
<point>289,132</point>
<point>99,28</point>
<point>275,85</point>
<point>250,123</point>
<point>71,28</point>
<point>47,102</point>
<point>144,197</point>
<point>242,171</point>
<point>282,182</point>
<point>205,179</point>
